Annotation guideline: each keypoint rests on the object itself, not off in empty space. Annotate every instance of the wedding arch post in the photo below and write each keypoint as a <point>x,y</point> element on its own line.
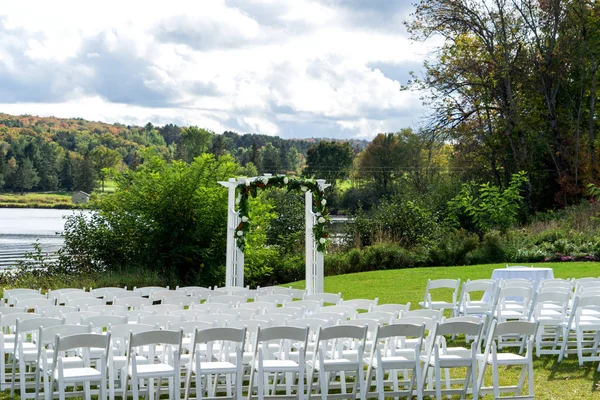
<point>314,262</point>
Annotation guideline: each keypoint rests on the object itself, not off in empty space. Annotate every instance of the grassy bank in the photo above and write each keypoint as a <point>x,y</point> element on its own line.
<point>60,200</point>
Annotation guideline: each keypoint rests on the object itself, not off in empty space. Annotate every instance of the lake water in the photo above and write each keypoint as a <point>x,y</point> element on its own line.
<point>21,227</point>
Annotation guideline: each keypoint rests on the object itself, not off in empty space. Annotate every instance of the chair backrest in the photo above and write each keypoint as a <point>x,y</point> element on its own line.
<point>28,329</point>
<point>437,314</point>
<point>211,307</point>
<point>451,284</point>
<point>161,320</point>
<point>9,320</point>
<point>99,323</point>
<point>383,316</point>
<point>361,304</point>
<point>515,328</point>
<point>47,335</point>
<point>108,309</point>
<point>54,311</point>
<point>30,304</point>
<point>261,306</point>
<point>146,290</point>
<point>275,298</point>
<point>515,282</point>
<point>162,308</point>
<point>101,291</point>
<point>400,330</point>
<point>189,327</point>
<point>84,342</point>
<point>395,308</point>
<point>216,319</point>
<point>295,293</point>
<point>154,338</point>
<point>111,295</point>
<point>309,306</point>
<point>429,322</point>
<point>82,303</point>
<point>180,301</point>
<point>451,326</point>
<point>332,298</point>
<point>190,290</point>
<point>232,299</point>
<point>221,334</point>
<point>313,324</point>
<point>343,331</point>
<point>348,310</point>
<point>333,317</point>
<point>75,317</point>
<point>280,334</point>
<point>132,302</point>
<point>515,293</point>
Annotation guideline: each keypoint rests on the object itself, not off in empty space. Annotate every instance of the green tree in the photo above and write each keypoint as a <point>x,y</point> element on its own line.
<point>26,176</point>
<point>380,161</point>
<point>169,217</point>
<point>84,176</point>
<point>65,176</point>
<point>330,160</point>
<point>103,161</point>
<point>194,141</point>
<point>270,159</point>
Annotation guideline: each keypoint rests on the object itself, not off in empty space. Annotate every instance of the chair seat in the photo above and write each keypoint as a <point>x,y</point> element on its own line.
<point>279,365</point>
<point>79,374</point>
<point>452,360</point>
<point>394,362</point>
<point>150,370</point>
<point>211,367</point>
<point>341,364</point>
<point>506,358</point>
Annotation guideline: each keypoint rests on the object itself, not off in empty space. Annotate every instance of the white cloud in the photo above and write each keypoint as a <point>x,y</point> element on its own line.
<point>285,67</point>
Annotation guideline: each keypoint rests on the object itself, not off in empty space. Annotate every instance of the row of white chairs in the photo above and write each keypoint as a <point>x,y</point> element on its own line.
<point>337,352</point>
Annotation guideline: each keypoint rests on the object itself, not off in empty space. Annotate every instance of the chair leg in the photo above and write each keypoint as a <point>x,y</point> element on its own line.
<point>61,391</point>
<point>260,385</point>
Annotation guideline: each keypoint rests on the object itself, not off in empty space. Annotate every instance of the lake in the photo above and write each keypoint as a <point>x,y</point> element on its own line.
<point>21,227</point>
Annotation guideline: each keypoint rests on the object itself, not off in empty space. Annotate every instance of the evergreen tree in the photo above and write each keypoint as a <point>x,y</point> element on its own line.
<point>65,177</point>
<point>84,178</point>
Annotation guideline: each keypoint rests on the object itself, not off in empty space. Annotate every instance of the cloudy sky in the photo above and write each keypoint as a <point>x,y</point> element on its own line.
<point>293,68</point>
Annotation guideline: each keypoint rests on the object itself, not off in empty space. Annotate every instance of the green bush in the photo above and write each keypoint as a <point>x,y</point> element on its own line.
<point>453,247</point>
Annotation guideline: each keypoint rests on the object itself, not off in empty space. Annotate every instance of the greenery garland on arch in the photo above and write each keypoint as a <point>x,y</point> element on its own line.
<point>249,188</point>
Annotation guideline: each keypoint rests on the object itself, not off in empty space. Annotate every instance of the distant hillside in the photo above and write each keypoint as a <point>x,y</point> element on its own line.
<point>48,153</point>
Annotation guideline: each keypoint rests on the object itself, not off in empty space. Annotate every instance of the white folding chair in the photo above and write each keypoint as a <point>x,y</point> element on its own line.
<point>222,356</point>
<point>440,356</point>
<point>549,310</point>
<point>440,287</point>
<point>288,340</point>
<point>8,321</point>
<point>25,351</point>
<point>87,374</point>
<point>329,362</point>
<point>492,357</point>
<point>390,355</point>
<point>119,335</point>
<point>587,328</point>
<point>165,366</point>
<point>46,339</point>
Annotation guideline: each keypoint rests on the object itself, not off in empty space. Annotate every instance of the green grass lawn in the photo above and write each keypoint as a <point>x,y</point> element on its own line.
<point>552,380</point>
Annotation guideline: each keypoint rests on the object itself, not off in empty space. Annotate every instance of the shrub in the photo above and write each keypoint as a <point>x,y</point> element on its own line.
<point>453,248</point>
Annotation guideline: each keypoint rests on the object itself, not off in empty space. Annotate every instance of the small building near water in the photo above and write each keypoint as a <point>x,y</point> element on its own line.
<point>80,197</point>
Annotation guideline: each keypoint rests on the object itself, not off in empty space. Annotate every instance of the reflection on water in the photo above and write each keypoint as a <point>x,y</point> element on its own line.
<point>21,227</point>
